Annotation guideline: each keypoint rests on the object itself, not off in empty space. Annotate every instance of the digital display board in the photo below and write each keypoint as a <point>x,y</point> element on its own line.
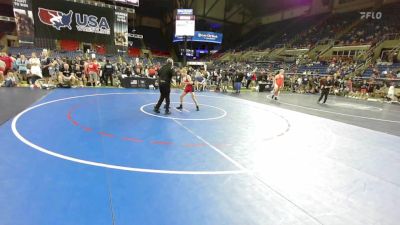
<point>185,23</point>
<point>129,2</point>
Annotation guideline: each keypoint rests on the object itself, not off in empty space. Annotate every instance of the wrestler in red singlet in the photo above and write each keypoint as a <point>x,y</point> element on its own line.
<point>188,89</point>
<point>279,83</point>
<point>189,85</point>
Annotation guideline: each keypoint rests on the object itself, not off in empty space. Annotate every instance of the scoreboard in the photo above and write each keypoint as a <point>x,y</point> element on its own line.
<point>185,23</point>
<point>129,2</point>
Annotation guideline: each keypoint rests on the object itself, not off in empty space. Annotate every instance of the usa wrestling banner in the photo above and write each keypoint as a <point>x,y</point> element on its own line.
<point>73,21</point>
<point>24,21</point>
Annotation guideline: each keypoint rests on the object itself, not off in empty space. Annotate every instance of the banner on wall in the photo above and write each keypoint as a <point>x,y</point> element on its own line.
<point>73,21</point>
<point>121,29</point>
<point>202,36</point>
<point>24,21</point>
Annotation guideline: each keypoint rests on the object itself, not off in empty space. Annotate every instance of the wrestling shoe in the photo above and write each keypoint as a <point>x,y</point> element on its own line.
<point>156,110</point>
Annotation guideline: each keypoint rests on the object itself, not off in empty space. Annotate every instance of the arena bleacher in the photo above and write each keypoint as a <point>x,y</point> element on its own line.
<point>305,44</point>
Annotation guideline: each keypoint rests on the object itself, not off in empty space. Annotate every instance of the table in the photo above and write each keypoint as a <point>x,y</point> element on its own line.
<point>138,82</point>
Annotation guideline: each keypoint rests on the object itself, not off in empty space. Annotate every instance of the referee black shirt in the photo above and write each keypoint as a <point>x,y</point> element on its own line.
<point>165,74</point>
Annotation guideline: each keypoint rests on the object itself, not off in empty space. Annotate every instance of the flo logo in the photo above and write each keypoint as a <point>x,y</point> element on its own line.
<point>371,15</point>
<point>55,18</point>
<point>84,22</point>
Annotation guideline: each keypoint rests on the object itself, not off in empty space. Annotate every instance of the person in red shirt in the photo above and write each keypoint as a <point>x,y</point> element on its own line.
<point>254,79</point>
<point>7,60</point>
<point>2,69</point>
<point>92,70</point>
<point>152,72</point>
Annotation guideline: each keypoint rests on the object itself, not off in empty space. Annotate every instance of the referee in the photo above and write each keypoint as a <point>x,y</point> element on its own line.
<point>165,75</point>
<point>326,85</point>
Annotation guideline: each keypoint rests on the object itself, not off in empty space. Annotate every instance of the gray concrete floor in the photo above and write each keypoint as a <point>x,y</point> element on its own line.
<point>14,100</point>
<point>376,116</point>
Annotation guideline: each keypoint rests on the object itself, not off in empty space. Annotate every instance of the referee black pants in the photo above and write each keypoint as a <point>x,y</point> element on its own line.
<point>165,90</point>
<point>324,94</point>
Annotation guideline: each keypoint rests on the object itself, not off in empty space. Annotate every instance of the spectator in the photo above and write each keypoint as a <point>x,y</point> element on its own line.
<point>10,80</point>
<point>391,92</point>
<point>79,75</point>
<point>7,60</point>
<point>66,77</point>
<point>93,72</point>
<point>22,67</point>
<point>45,64</point>
<point>108,71</point>
<point>2,70</point>
<point>35,71</point>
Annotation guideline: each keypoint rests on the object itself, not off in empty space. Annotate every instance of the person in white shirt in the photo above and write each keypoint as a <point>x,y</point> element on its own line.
<point>35,72</point>
<point>391,92</point>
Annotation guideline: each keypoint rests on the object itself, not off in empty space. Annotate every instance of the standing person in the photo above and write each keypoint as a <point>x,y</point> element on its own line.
<point>254,79</point>
<point>108,71</point>
<point>93,72</point>
<point>199,78</point>
<point>165,76</point>
<point>238,81</point>
<point>326,85</point>
<point>248,79</point>
<point>391,92</point>
<point>188,89</point>
<point>45,63</point>
<point>279,81</point>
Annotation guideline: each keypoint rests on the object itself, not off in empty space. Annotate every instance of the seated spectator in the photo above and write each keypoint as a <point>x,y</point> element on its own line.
<point>152,72</point>
<point>10,80</point>
<point>35,72</point>
<point>66,78</point>
<point>128,71</point>
<point>7,60</point>
<point>2,70</point>
<point>77,71</point>
<point>22,67</point>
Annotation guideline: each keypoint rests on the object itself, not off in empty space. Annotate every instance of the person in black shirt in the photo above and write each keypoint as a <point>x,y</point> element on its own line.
<point>108,71</point>
<point>78,72</point>
<point>45,64</point>
<point>66,77</point>
<point>165,76</point>
<point>326,85</point>
<point>238,81</point>
<point>128,71</point>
